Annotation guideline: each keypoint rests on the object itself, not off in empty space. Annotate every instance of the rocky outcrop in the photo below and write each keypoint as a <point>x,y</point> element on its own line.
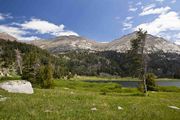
<point>17,86</point>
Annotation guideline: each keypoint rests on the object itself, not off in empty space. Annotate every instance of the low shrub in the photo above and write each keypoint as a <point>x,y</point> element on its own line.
<point>111,88</point>
<point>150,82</point>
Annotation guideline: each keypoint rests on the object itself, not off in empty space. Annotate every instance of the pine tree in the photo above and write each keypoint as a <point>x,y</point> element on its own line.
<point>30,67</point>
<point>47,76</point>
<point>138,57</point>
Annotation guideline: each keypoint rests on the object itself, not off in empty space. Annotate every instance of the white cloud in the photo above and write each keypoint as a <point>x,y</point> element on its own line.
<point>160,0</point>
<point>42,26</point>
<point>45,27</point>
<point>165,22</point>
<point>65,33</point>
<point>147,7</point>
<point>16,32</point>
<point>129,18</point>
<point>177,38</point>
<point>22,31</point>
<point>166,25</point>
<point>1,17</point>
<point>104,42</point>
<point>4,16</point>
<point>173,1</point>
<point>28,38</point>
<point>127,24</point>
<point>139,3</point>
<point>132,9</point>
<point>177,35</point>
<point>177,42</point>
<point>150,11</point>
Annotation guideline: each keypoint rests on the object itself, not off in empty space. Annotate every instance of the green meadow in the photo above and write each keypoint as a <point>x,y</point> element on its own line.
<point>77,100</point>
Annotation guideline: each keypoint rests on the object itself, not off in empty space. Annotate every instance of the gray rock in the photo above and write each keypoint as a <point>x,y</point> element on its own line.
<point>17,86</point>
<point>94,109</point>
<point>3,99</point>
<point>120,108</point>
<point>174,107</point>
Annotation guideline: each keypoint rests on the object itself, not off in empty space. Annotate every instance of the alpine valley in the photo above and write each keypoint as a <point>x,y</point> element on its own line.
<point>82,56</point>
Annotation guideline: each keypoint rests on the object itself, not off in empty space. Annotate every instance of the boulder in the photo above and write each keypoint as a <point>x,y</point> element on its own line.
<point>17,86</point>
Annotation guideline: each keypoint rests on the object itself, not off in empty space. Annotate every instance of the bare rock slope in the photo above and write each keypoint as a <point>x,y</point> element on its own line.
<point>153,44</point>
<point>6,36</point>
<point>68,43</point>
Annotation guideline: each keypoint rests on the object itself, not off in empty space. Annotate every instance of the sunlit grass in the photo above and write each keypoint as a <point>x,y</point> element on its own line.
<point>82,78</point>
<point>103,78</point>
<point>71,100</point>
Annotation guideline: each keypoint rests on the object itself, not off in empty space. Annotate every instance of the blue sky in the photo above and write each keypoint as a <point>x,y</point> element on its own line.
<point>100,20</point>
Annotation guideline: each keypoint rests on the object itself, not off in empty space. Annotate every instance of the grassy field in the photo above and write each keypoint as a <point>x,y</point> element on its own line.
<point>82,78</point>
<point>167,79</point>
<point>73,100</point>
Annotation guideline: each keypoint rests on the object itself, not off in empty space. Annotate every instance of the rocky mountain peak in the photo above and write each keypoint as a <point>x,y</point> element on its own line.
<point>153,44</point>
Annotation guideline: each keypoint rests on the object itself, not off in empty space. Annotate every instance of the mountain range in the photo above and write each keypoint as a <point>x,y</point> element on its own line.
<point>68,43</point>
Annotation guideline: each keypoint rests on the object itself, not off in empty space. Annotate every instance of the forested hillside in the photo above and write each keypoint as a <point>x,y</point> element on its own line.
<point>15,56</point>
<point>13,51</point>
<point>118,64</point>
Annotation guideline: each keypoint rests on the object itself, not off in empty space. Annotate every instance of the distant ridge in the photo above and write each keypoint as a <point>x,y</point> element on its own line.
<point>6,36</point>
<point>71,43</point>
<point>68,43</point>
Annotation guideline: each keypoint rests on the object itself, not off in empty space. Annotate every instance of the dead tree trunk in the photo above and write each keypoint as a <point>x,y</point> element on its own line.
<point>19,60</point>
<point>144,61</point>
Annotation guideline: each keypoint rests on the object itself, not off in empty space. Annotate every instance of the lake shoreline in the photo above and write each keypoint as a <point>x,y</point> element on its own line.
<point>135,83</point>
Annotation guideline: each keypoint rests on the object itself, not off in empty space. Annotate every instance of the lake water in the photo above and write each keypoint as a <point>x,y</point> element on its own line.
<point>136,83</point>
